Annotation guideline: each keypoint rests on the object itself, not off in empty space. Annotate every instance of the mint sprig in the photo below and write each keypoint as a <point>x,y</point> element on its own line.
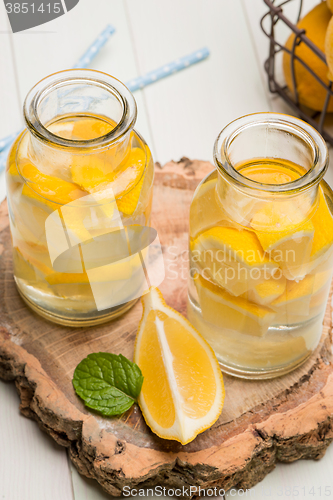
<point>108,383</point>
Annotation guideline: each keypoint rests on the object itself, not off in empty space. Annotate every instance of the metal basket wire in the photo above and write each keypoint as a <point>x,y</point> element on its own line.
<point>276,15</point>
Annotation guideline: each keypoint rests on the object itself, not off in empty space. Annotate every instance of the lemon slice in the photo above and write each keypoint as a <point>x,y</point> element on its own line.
<point>124,183</point>
<point>233,259</point>
<point>90,172</point>
<point>182,393</point>
<point>321,287</point>
<point>206,211</point>
<point>267,291</point>
<point>293,305</point>
<point>113,272</point>
<point>139,198</point>
<point>47,189</point>
<point>285,234</point>
<point>321,249</point>
<point>88,128</point>
<point>255,352</point>
<point>302,300</point>
<point>62,129</point>
<point>228,312</point>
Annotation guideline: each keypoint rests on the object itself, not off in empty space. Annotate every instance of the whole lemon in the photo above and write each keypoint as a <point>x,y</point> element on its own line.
<point>329,48</point>
<point>310,92</point>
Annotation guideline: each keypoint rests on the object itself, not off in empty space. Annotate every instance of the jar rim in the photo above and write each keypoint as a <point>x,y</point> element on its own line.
<point>72,76</point>
<point>284,122</point>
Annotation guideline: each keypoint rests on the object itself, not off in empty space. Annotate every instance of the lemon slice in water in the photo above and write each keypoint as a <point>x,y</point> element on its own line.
<point>234,313</point>
<point>233,259</point>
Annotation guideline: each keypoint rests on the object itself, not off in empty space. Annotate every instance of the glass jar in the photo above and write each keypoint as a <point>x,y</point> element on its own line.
<point>261,246</point>
<point>79,183</point>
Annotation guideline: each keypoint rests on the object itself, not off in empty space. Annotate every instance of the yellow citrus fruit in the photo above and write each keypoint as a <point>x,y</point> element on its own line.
<point>233,259</point>
<point>321,249</point>
<point>234,313</point>
<point>267,291</point>
<point>311,93</point>
<point>182,393</point>
<point>48,187</point>
<point>130,202</point>
<point>329,48</point>
<point>125,182</point>
<point>206,211</point>
<point>286,235</point>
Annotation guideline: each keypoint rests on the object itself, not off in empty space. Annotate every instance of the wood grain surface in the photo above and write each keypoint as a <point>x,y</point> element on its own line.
<point>262,422</point>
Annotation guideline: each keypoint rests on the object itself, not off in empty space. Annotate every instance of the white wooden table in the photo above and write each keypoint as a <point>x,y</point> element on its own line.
<point>178,116</point>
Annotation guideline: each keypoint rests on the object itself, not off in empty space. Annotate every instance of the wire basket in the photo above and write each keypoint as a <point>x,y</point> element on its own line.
<point>276,15</point>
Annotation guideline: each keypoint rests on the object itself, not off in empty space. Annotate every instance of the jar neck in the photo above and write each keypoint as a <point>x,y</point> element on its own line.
<point>68,97</point>
<point>268,157</point>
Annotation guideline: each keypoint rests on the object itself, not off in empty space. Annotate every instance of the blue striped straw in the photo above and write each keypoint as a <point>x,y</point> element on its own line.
<point>134,84</point>
<point>167,70</point>
<point>83,62</point>
<point>95,47</point>
<point>7,140</point>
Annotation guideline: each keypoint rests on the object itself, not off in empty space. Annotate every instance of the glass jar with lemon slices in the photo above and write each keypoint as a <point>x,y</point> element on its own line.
<point>79,182</point>
<point>261,246</point>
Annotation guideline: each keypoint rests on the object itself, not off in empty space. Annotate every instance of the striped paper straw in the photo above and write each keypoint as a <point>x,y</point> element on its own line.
<point>4,154</point>
<point>135,83</point>
<point>95,47</point>
<point>167,70</point>
<point>83,62</point>
<point>7,140</point>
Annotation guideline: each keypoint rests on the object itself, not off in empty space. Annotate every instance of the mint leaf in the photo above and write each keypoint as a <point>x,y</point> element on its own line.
<point>108,383</point>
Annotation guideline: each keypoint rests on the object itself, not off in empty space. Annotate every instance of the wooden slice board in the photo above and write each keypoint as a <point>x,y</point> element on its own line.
<point>262,422</point>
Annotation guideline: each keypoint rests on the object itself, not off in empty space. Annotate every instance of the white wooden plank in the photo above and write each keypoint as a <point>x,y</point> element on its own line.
<point>87,489</point>
<point>32,466</point>
<point>188,109</point>
<point>11,115</point>
<point>39,52</point>
<point>59,44</point>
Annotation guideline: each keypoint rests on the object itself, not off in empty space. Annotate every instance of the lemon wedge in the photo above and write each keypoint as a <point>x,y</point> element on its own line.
<point>46,189</point>
<point>294,303</point>
<point>321,287</point>
<point>321,249</point>
<point>88,128</point>
<point>114,272</point>
<point>267,291</point>
<point>124,183</point>
<point>229,312</point>
<point>90,172</point>
<point>252,351</point>
<point>206,211</point>
<point>233,259</point>
<point>182,393</point>
<point>129,200</point>
<point>137,199</point>
<point>62,129</point>
<point>285,235</point>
